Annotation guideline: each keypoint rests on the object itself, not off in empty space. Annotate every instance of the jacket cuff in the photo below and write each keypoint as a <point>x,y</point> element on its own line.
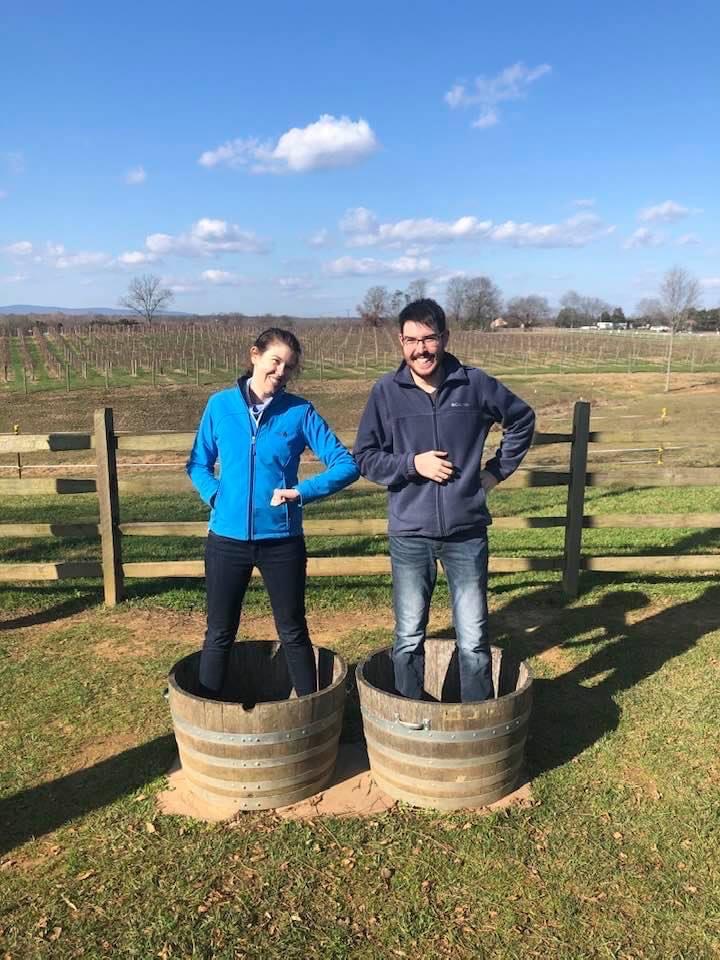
<point>494,469</point>
<point>410,470</point>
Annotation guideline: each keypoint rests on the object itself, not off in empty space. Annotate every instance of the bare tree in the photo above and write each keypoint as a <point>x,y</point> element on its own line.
<point>146,296</point>
<point>483,303</point>
<point>375,306</point>
<point>679,294</point>
<point>529,311</point>
<point>649,309</point>
<point>417,290</point>
<point>455,292</point>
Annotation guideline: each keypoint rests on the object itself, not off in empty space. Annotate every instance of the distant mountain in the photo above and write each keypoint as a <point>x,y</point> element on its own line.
<point>28,308</point>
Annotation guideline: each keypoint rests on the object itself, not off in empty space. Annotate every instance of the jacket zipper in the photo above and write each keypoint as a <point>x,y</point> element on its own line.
<point>441,516</point>
<point>252,486</point>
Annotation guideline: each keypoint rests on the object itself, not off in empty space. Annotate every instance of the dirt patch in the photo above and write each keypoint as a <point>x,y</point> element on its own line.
<point>353,793</point>
<point>641,781</point>
<point>148,631</point>
<point>102,749</point>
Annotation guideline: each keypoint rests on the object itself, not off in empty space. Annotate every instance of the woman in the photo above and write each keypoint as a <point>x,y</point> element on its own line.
<point>259,432</point>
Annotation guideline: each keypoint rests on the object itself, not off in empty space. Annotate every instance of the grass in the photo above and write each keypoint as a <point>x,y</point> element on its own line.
<point>615,859</point>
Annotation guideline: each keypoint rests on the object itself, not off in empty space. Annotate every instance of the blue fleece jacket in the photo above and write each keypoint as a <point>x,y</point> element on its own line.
<point>256,461</point>
<point>401,420</point>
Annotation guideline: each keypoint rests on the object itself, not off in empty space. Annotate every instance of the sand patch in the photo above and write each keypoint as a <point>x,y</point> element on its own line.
<point>352,793</point>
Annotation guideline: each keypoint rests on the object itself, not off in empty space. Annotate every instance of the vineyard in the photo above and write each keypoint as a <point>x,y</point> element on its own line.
<point>207,353</point>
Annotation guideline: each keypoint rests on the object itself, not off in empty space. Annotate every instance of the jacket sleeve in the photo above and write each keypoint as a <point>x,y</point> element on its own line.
<point>204,454</point>
<point>517,420</point>
<point>341,468</point>
<point>374,446</point>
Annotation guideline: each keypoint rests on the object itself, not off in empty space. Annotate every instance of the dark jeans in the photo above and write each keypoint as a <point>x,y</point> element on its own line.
<point>414,571</point>
<point>228,568</point>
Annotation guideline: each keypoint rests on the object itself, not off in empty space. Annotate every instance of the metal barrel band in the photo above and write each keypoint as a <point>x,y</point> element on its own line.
<point>286,736</point>
<point>436,763</point>
<point>268,802</point>
<point>262,762</point>
<point>441,788</point>
<point>447,736</point>
<point>235,788</point>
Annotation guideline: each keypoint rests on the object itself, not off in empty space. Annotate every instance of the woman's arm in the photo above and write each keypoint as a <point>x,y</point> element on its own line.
<point>201,463</point>
<point>341,468</point>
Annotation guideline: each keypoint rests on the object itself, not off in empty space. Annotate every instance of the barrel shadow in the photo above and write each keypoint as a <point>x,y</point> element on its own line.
<point>39,810</point>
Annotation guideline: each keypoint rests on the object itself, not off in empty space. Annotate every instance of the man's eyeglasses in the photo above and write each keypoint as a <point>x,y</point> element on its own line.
<point>432,340</point>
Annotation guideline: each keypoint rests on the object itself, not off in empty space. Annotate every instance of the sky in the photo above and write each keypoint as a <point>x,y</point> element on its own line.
<point>285,157</point>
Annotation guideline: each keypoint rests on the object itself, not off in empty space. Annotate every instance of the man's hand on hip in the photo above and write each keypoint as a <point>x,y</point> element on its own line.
<point>433,466</point>
<point>488,480</point>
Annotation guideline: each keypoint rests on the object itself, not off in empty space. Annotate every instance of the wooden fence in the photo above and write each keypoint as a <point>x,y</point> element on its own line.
<point>109,488</point>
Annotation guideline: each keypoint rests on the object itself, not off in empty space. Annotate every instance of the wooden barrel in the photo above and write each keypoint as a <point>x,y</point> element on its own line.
<point>438,752</point>
<point>259,746</point>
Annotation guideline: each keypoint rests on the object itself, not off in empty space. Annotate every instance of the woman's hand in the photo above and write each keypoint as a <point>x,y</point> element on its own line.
<point>284,496</point>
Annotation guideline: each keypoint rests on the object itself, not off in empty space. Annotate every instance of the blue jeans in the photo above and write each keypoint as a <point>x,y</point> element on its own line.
<point>414,572</point>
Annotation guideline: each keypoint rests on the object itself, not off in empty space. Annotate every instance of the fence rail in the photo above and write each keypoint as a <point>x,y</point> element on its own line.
<point>109,486</point>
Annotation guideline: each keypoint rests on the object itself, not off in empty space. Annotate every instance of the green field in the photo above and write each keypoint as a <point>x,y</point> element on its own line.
<point>614,857</point>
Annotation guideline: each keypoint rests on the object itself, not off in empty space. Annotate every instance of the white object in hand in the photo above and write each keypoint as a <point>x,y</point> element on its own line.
<point>277,499</point>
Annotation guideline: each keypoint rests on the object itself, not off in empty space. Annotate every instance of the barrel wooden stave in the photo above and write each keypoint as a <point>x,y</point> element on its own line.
<point>267,754</point>
<point>462,755</point>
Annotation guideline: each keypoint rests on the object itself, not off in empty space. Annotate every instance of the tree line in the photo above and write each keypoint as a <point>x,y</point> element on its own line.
<point>477,303</point>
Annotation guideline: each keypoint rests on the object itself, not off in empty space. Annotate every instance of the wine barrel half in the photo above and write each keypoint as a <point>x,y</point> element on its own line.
<point>258,746</point>
<point>438,752</point>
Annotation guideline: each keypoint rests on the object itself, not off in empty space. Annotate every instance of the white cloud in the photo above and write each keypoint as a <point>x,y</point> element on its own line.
<point>14,278</point>
<point>320,238</point>
<point>3,194</point>
<point>135,258</point>
<point>584,203</point>
<point>181,286</point>
<point>205,238</point>
<point>329,142</point>
<point>135,176</point>
<point>85,258</point>
<point>688,240</point>
<point>23,248</point>
<point>224,278</point>
<point>577,231</point>
<point>363,229</point>
<point>643,237</point>
<point>511,83</point>
<point>710,283</point>
<point>355,267</point>
<point>488,118</point>
<point>292,284</point>
<point>666,212</point>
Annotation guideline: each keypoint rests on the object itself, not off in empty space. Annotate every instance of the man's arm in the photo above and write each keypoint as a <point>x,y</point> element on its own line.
<point>373,449</point>
<point>517,420</point>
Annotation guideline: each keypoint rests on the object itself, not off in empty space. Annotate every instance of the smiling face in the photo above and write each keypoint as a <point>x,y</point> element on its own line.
<point>423,350</point>
<point>272,368</point>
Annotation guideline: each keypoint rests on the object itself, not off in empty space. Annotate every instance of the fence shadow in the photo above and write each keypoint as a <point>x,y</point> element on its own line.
<point>573,710</point>
<point>42,809</point>
<point>80,599</point>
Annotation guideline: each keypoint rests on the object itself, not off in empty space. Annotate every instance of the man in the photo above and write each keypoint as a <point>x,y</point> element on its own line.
<point>422,435</point>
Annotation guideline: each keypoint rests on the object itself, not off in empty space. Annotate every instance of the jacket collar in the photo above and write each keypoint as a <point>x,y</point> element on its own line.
<point>242,383</point>
<point>454,372</point>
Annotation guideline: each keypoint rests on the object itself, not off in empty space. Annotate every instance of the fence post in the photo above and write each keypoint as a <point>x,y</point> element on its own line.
<point>576,497</point>
<point>109,503</point>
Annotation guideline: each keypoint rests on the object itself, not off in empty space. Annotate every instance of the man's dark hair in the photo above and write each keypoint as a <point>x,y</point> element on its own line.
<point>423,311</point>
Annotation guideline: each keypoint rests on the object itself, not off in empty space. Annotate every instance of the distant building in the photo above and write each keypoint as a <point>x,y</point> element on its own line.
<point>499,323</point>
